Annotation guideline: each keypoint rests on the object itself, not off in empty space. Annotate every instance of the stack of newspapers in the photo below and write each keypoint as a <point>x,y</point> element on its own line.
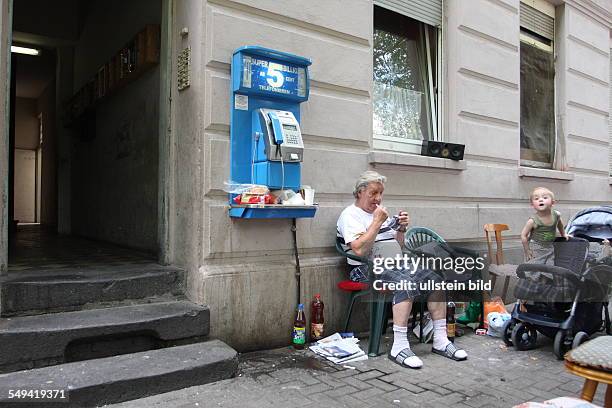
<point>339,350</point>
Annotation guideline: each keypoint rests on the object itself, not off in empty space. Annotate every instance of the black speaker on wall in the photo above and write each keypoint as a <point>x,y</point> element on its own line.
<point>444,150</point>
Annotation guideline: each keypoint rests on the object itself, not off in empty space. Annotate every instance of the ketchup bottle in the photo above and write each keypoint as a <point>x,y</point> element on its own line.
<point>298,337</point>
<point>316,319</point>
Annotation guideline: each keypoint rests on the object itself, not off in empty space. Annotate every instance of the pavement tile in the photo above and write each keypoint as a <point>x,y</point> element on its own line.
<point>359,384</point>
<point>351,401</point>
<point>338,392</point>
<point>314,389</point>
<point>331,381</point>
<point>397,376</point>
<point>347,372</point>
<point>382,385</point>
<point>370,392</point>
<point>308,379</point>
<point>480,401</point>
<point>369,374</point>
<point>409,387</point>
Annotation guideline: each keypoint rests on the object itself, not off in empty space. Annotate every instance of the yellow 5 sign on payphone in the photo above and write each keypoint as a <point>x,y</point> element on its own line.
<point>266,139</point>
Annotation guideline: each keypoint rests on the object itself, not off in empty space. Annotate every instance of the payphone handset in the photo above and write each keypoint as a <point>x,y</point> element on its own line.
<point>282,135</point>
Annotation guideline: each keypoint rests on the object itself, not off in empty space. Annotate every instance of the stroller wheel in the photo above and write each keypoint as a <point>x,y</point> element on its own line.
<point>562,344</point>
<point>524,336</point>
<point>579,338</point>
<point>507,331</point>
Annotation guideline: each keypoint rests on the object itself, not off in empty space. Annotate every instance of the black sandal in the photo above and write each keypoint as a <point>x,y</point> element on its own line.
<point>402,356</point>
<point>449,352</point>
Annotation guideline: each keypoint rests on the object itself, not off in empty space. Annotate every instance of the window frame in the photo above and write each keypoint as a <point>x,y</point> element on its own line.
<point>401,145</point>
<point>529,39</point>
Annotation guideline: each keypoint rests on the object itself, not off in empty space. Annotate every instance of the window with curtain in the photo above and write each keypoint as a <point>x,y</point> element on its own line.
<point>405,78</point>
<point>537,88</point>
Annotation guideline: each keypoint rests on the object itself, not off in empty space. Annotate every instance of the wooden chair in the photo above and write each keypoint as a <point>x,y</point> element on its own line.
<point>497,266</point>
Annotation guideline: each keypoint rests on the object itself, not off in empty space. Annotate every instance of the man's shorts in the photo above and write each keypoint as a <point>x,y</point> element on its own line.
<point>418,277</point>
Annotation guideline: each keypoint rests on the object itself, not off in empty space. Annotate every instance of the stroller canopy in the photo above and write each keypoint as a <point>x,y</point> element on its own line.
<point>592,223</point>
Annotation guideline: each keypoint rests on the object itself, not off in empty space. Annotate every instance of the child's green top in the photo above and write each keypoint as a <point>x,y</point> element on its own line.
<point>545,234</point>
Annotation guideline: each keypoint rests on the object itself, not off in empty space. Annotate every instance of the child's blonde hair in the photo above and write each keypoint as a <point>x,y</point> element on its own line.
<point>552,195</point>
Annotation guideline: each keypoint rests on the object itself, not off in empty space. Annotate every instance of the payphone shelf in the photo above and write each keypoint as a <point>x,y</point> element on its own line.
<point>272,211</point>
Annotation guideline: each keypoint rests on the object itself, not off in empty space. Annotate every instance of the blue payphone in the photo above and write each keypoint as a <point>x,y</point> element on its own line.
<point>266,139</point>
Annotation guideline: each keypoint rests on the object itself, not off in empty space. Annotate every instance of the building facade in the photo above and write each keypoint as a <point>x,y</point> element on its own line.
<point>524,85</point>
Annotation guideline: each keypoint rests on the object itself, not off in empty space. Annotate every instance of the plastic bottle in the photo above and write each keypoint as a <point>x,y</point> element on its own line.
<point>450,321</point>
<point>317,319</point>
<point>298,337</point>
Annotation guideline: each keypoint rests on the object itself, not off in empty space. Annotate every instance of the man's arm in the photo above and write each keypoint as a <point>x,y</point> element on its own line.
<point>363,245</point>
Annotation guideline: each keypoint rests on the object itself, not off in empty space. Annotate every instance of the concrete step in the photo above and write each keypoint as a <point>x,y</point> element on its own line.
<point>28,293</point>
<point>37,341</point>
<point>126,377</point>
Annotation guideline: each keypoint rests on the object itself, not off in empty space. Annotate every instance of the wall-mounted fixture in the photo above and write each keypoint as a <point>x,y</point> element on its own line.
<point>25,50</point>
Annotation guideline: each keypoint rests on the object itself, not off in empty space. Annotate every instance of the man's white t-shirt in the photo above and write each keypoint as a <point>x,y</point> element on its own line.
<point>354,222</point>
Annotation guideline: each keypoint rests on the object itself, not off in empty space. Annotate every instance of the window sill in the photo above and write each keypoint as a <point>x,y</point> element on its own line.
<point>415,161</point>
<point>545,173</point>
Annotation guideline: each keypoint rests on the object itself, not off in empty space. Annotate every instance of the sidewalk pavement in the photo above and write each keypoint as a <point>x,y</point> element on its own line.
<point>493,376</point>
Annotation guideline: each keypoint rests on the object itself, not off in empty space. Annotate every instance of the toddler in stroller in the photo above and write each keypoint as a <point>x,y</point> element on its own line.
<point>568,308</point>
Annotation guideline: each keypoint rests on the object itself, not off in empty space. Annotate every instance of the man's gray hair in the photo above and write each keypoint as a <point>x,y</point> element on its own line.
<point>366,178</point>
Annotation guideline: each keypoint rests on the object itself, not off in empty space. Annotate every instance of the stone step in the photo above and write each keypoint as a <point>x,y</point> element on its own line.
<point>28,293</point>
<point>126,377</point>
<point>37,341</point>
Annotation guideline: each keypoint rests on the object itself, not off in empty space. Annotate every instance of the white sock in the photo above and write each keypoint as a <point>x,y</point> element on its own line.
<point>440,338</point>
<point>400,342</point>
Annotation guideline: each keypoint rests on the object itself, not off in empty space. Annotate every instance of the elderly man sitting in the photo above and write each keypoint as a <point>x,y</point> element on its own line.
<point>364,224</point>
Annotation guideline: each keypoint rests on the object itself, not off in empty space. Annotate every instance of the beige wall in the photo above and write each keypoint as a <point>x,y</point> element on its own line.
<point>244,269</point>
<point>25,185</point>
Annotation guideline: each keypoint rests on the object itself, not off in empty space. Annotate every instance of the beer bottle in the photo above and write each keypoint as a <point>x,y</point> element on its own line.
<point>298,337</point>
<point>450,321</point>
<point>316,319</point>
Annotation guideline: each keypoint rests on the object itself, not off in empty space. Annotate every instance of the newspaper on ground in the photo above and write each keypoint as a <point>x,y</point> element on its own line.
<point>339,350</point>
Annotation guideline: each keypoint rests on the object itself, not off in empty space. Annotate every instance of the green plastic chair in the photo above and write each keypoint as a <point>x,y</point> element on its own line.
<point>417,237</point>
<point>378,307</point>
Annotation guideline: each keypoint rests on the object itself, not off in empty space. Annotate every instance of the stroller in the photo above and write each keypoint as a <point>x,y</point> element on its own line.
<point>568,308</point>
<point>593,224</point>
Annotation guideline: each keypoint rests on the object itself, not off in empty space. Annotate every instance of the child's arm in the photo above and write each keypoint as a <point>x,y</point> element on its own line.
<point>561,228</point>
<point>525,233</point>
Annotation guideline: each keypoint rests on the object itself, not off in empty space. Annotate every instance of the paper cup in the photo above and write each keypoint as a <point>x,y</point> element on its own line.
<point>309,196</point>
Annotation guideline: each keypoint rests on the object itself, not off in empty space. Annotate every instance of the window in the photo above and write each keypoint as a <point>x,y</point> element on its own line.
<point>537,88</point>
<point>405,79</point>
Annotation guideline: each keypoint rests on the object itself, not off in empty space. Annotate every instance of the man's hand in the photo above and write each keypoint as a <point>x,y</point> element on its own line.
<point>529,255</point>
<point>380,214</point>
<point>404,220</point>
